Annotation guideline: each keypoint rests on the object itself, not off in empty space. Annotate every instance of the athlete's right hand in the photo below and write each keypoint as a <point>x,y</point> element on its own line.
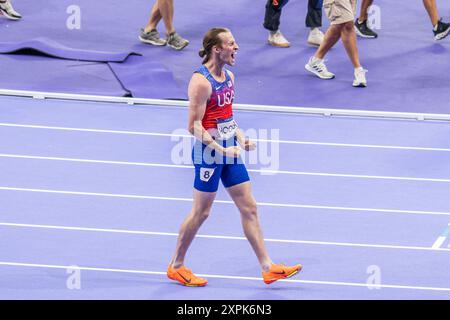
<point>232,152</point>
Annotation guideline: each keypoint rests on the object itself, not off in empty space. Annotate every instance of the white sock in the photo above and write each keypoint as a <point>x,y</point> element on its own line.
<point>316,60</point>
<point>359,69</point>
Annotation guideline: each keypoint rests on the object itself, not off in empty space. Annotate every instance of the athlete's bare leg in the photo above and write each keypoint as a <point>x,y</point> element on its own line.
<point>201,208</point>
<point>244,200</point>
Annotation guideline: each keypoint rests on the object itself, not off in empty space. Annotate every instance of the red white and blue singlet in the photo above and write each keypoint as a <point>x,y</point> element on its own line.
<point>220,104</point>
<point>210,167</point>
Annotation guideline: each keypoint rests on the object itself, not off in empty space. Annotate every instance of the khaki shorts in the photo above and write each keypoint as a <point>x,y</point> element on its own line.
<point>340,11</point>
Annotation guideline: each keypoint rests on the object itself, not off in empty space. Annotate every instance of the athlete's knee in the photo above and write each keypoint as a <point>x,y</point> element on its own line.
<point>250,210</point>
<point>202,214</point>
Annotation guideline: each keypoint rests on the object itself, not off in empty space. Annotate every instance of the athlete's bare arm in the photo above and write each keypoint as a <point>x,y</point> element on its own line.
<point>199,92</point>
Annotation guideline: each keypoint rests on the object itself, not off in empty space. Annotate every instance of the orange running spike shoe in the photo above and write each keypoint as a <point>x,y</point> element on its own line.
<point>185,276</point>
<point>280,271</point>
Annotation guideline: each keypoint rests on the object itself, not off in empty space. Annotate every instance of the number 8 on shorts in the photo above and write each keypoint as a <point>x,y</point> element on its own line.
<point>206,174</point>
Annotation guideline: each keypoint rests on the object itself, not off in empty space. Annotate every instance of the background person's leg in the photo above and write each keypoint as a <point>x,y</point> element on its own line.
<point>332,36</point>
<point>316,63</point>
<point>314,15</point>
<point>363,14</point>
<point>155,18</point>
<point>272,22</point>
<point>166,10</point>
<point>149,34</point>
<point>314,22</point>
<point>440,29</point>
<point>348,36</point>
<point>431,7</point>
<point>163,9</point>
<point>273,14</point>
<point>174,40</point>
<point>361,27</point>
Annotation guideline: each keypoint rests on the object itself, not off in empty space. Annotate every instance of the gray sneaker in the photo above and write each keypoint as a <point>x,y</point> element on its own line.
<point>152,37</point>
<point>8,11</point>
<point>176,41</point>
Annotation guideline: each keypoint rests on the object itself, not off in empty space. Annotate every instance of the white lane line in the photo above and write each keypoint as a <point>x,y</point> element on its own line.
<point>266,204</point>
<point>144,164</point>
<point>441,239</point>
<point>262,171</point>
<point>171,234</point>
<point>330,144</point>
<point>159,273</point>
<point>140,133</point>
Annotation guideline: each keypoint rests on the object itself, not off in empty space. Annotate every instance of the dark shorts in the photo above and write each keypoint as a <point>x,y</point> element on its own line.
<point>210,167</point>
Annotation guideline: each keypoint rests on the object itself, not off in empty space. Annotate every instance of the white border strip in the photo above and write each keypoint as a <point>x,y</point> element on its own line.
<point>159,273</point>
<point>172,234</point>
<point>261,171</point>
<point>266,204</point>
<point>237,106</point>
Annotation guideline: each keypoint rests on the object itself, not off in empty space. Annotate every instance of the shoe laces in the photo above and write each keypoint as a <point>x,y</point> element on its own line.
<point>279,36</point>
<point>182,269</point>
<point>187,272</point>
<point>362,71</point>
<point>6,5</point>
<point>363,24</point>
<point>321,67</point>
<point>316,32</point>
<point>361,74</point>
<point>176,38</point>
<point>153,33</point>
<point>279,265</point>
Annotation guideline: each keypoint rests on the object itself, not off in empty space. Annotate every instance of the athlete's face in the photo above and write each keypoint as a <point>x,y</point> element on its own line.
<point>228,49</point>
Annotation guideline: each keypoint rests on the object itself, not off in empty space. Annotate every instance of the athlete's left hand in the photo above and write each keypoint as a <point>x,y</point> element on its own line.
<point>249,145</point>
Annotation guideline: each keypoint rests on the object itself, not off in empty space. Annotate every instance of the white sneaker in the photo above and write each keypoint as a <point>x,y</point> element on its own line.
<point>277,39</point>
<point>318,67</point>
<point>315,37</point>
<point>360,78</point>
<point>8,11</point>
